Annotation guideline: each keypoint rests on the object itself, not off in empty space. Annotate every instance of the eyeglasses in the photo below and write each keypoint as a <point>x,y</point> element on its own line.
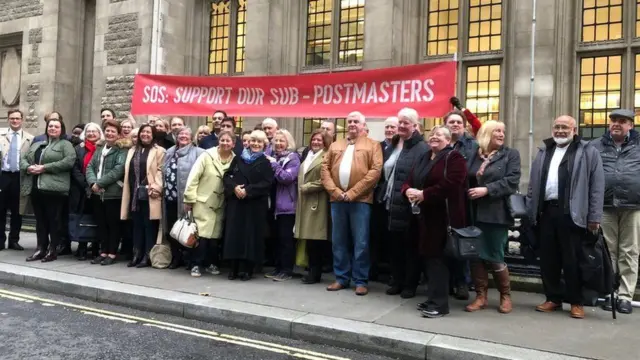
<point>15,118</point>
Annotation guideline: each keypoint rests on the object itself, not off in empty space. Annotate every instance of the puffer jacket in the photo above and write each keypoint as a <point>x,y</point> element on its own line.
<point>112,169</point>
<point>399,208</point>
<point>58,158</point>
<point>621,170</point>
<point>187,157</point>
<point>286,179</point>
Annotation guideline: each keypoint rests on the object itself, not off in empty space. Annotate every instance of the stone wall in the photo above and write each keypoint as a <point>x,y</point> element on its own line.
<point>123,39</point>
<point>20,9</point>
<point>35,39</point>
<point>118,94</point>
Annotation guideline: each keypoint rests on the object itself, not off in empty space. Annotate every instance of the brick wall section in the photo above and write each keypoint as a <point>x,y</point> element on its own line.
<point>118,94</point>
<point>123,39</point>
<point>35,38</point>
<point>20,9</point>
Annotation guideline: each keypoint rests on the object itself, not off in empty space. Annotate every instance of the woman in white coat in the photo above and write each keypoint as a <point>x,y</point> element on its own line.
<point>204,196</point>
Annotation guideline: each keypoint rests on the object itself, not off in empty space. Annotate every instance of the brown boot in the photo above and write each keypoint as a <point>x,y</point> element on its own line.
<point>481,281</point>
<point>501,277</point>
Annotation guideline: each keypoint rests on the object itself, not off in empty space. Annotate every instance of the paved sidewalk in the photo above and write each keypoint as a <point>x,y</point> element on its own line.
<point>376,322</point>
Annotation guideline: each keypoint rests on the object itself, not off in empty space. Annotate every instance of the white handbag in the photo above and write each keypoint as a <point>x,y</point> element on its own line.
<point>185,231</point>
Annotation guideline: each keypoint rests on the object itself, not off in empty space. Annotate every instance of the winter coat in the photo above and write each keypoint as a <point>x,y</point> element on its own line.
<point>112,177</point>
<point>155,161</point>
<point>399,207</point>
<point>586,196</point>
<point>286,178</point>
<point>205,191</point>
<point>187,157</point>
<point>58,159</point>
<point>501,178</point>
<point>79,189</point>
<point>312,207</point>
<point>430,226</point>
<point>246,219</point>
<point>621,169</point>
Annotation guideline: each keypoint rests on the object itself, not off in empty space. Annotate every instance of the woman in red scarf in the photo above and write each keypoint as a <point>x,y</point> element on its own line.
<point>79,191</point>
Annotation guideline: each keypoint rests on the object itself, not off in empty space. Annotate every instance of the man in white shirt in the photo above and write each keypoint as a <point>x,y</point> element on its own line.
<point>12,146</point>
<point>350,170</point>
<point>565,198</point>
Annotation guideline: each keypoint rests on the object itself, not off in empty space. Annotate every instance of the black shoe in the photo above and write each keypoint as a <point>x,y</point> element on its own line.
<point>246,277</point>
<point>462,293</point>
<point>394,290</point>
<point>14,246</point>
<point>310,279</point>
<point>606,306</point>
<point>108,261</point>
<point>433,313</point>
<point>81,254</point>
<point>408,293</point>
<point>38,255</point>
<point>232,276</point>
<point>423,305</point>
<point>144,262</point>
<point>135,260</point>
<point>51,256</point>
<point>97,260</point>
<point>624,307</point>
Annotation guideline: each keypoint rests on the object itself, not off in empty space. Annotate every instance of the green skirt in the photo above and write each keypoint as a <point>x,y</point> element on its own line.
<point>494,239</point>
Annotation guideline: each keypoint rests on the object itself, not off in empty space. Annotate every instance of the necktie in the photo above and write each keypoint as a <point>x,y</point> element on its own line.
<point>13,153</point>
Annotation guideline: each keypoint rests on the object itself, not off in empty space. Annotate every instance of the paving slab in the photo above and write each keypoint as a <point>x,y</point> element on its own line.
<point>300,310</point>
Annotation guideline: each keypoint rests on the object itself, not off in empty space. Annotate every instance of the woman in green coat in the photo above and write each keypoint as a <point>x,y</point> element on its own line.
<point>312,208</point>
<point>47,177</point>
<point>105,175</point>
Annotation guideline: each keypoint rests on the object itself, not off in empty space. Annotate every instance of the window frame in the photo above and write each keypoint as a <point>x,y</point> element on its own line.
<point>627,48</point>
<point>234,6</point>
<point>465,58</point>
<point>335,42</point>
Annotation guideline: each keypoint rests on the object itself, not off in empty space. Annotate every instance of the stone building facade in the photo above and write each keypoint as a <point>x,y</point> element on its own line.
<point>77,56</point>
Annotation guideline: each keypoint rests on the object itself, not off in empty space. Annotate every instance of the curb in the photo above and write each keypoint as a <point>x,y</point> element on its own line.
<point>359,335</point>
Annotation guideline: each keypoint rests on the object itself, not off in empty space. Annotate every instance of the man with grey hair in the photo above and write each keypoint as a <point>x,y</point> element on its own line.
<point>269,126</point>
<point>350,170</point>
<point>619,149</point>
<point>390,130</point>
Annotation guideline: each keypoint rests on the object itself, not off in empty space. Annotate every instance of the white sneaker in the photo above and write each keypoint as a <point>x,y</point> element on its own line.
<point>195,271</point>
<point>213,270</point>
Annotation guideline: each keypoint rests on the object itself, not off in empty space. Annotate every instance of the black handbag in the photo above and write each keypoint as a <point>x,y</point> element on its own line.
<point>517,206</point>
<point>462,243</point>
<point>82,227</point>
<point>143,193</point>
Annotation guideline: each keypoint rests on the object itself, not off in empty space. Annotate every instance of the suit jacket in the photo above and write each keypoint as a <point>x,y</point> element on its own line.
<point>5,143</point>
<point>365,169</point>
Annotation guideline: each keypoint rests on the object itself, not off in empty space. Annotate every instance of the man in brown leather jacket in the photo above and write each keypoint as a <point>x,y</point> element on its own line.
<point>350,170</point>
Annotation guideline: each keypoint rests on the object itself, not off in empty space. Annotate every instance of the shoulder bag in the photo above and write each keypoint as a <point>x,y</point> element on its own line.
<point>185,231</point>
<point>462,243</point>
<point>82,227</point>
<point>517,205</point>
<point>160,253</point>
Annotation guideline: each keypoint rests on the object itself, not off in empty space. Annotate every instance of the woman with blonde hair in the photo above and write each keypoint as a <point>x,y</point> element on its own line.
<point>285,164</point>
<point>494,174</point>
<point>247,185</point>
<point>202,132</point>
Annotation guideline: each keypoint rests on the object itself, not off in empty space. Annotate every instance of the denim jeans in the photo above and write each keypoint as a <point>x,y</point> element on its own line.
<point>350,236</point>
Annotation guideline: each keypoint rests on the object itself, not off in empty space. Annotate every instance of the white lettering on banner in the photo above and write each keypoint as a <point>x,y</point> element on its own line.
<point>250,96</point>
<point>402,91</point>
<point>202,94</point>
<point>154,94</point>
<point>284,96</point>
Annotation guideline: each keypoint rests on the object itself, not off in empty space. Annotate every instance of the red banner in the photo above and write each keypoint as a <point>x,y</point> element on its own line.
<point>375,93</point>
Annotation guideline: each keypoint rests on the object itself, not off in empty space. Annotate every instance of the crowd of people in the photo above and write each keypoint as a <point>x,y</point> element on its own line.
<point>257,199</point>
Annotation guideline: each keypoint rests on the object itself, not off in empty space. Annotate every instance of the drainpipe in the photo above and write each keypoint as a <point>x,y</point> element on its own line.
<point>531,87</point>
<point>155,38</point>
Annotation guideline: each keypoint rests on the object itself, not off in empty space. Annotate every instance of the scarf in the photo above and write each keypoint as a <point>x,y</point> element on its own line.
<point>249,157</point>
<point>309,160</point>
<point>91,148</point>
<point>485,161</point>
<point>137,171</point>
<point>282,156</point>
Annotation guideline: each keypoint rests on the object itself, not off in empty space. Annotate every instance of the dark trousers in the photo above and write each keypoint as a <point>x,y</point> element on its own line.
<point>171,216</point>
<point>559,243</point>
<point>404,260</point>
<point>379,242</point>
<point>107,216</point>
<point>206,253</point>
<point>145,230</point>
<point>271,240</point>
<point>242,265</point>
<point>10,200</point>
<point>437,284</point>
<point>460,273</point>
<point>126,245</point>
<point>285,254</point>
<point>316,250</point>
<point>48,210</point>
